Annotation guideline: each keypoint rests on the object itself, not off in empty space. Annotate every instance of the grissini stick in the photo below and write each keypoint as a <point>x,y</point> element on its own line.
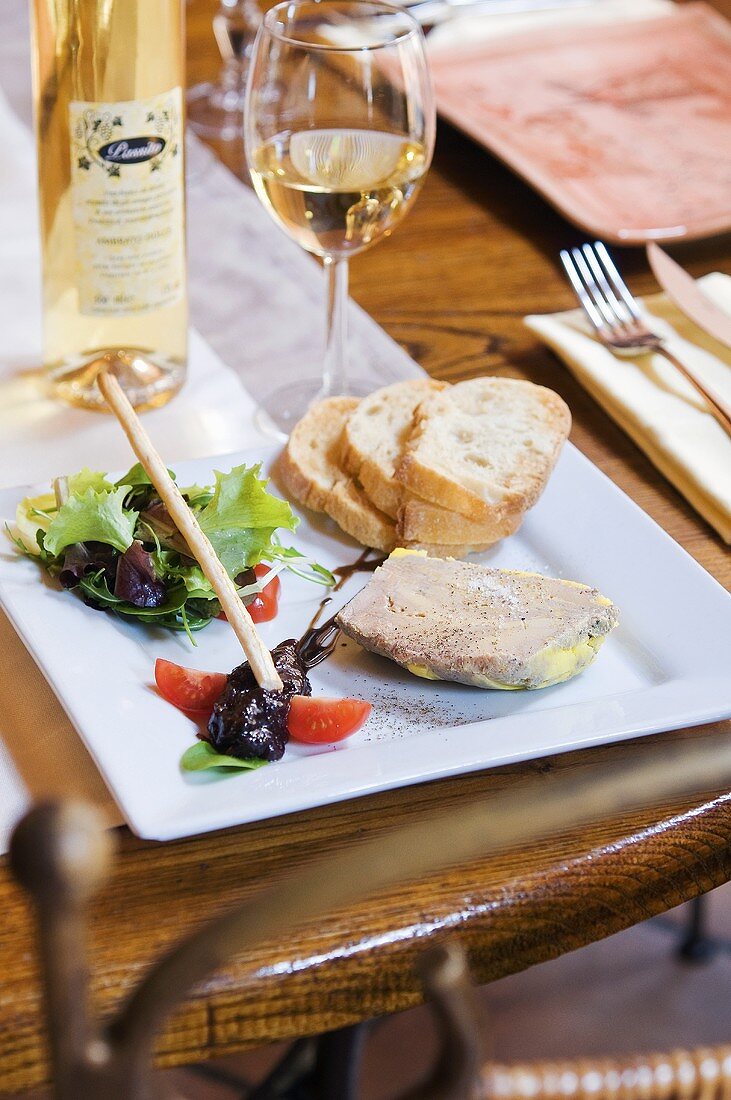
<point>257,654</point>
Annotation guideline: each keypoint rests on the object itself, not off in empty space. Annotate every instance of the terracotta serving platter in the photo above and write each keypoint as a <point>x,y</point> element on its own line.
<point>624,128</point>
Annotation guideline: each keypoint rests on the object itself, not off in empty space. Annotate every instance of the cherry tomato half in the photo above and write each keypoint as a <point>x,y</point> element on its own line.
<point>187,688</point>
<point>322,721</point>
<point>265,605</point>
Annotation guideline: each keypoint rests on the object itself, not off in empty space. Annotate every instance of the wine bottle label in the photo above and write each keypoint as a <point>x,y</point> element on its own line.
<point>127,200</point>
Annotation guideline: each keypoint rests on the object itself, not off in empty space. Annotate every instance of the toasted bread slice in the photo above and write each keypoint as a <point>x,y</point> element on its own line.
<point>373,440</point>
<point>484,448</point>
<point>492,628</point>
<point>420,521</point>
<point>374,437</point>
<point>306,467</point>
<point>308,470</point>
<point>353,512</point>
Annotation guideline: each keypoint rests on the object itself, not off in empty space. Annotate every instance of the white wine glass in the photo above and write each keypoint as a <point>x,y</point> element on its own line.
<point>339,131</point>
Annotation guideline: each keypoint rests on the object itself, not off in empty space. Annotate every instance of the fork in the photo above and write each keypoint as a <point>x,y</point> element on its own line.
<point>619,325</point>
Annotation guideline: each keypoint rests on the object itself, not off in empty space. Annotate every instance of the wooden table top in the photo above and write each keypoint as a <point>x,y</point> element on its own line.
<point>478,251</point>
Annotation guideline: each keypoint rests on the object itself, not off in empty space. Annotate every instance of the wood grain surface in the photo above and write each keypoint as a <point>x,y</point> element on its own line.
<point>478,252</point>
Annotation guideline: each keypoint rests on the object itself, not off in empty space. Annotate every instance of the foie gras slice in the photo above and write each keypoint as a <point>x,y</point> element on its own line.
<point>492,628</point>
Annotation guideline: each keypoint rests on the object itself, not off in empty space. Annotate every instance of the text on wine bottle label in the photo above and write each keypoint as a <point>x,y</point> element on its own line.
<point>127,200</point>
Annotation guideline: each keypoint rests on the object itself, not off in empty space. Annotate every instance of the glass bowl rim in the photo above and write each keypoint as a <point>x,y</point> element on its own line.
<point>412,28</point>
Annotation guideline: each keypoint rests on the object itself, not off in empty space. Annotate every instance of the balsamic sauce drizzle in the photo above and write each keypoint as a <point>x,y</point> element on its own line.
<point>318,642</point>
<point>363,564</point>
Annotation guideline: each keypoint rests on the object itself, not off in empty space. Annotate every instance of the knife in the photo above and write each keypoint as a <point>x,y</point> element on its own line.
<point>687,295</point>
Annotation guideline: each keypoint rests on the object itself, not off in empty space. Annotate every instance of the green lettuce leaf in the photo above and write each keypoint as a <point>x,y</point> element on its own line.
<point>202,756</point>
<point>169,566</point>
<point>242,517</point>
<point>136,476</point>
<point>197,495</point>
<point>88,479</point>
<point>140,489</point>
<point>94,516</point>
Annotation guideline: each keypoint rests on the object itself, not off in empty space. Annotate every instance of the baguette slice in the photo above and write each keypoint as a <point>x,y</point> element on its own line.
<point>485,448</point>
<point>374,437</point>
<point>308,471</point>
<point>420,521</point>
<point>307,465</point>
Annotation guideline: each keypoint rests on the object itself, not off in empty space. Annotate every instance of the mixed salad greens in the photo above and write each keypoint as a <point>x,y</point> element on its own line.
<point>115,543</point>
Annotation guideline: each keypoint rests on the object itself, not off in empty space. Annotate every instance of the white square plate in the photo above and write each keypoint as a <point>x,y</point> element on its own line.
<point>666,666</point>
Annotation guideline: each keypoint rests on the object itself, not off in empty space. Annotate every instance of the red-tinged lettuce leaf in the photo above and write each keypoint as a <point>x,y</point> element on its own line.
<point>136,582</point>
<point>84,558</point>
<point>155,520</point>
<point>95,593</point>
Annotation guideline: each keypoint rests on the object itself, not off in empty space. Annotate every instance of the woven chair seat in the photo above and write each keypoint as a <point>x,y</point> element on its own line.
<point>701,1074</point>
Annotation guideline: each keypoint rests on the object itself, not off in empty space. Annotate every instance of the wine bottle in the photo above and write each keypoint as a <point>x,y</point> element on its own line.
<point>108,82</point>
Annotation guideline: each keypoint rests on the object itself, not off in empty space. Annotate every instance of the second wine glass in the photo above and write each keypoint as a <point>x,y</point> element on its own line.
<point>339,131</point>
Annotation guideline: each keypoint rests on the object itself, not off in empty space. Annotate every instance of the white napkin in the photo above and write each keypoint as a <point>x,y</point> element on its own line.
<point>665,416</point>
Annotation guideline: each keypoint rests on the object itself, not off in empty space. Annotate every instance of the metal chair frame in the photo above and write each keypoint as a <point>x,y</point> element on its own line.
<point>61,853</point>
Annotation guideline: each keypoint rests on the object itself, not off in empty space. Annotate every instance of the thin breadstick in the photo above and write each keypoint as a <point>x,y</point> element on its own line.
<point>256,652</point>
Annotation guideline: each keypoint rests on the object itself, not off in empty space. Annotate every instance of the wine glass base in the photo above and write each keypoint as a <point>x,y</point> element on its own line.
<point>214,111</point>
<point>281,410</point>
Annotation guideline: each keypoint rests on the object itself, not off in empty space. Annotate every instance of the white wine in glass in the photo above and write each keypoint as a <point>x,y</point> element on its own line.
<point>339,135</point>
<point>338,191</point>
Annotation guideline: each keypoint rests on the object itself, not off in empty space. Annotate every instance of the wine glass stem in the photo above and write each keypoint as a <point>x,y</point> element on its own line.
<point>333,380</point>
<point>234,27</point>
